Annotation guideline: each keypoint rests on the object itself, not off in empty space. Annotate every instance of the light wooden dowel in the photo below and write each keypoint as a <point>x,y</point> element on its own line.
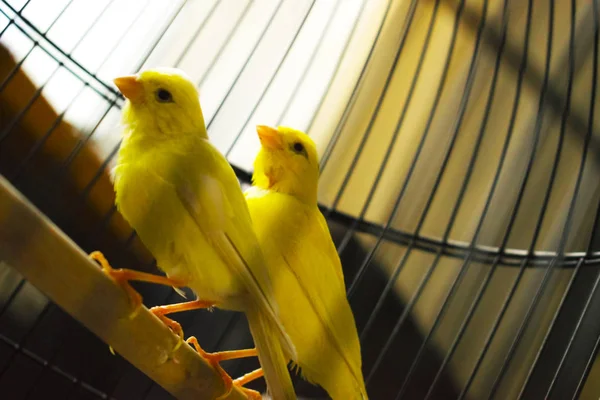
<point>48,259</point>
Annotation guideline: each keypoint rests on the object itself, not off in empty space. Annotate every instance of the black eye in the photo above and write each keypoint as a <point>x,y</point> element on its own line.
<point>164,96</point>
<point>298,148</point>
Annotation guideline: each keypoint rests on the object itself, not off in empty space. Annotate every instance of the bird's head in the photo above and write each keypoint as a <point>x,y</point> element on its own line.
<point>162,102</point>
<point>287,162</point>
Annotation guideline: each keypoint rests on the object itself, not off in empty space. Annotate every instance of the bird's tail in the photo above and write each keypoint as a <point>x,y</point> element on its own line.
<point>360,383</point>
<point>357,382</point>
<point>363,391</point>
<point>338,380</point>
<point>269,345</point>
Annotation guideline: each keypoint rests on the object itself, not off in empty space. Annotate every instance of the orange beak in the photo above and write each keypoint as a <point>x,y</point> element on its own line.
<point>269,137</point>
<point>131,88</point>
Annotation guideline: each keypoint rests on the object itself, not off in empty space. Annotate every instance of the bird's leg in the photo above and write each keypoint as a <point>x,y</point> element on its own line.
<point>233,354</point>
<point>249,377</point>
<point>215,358</point>
<point>161,311</point>
<point>123,276</point>
<point>214,362</point>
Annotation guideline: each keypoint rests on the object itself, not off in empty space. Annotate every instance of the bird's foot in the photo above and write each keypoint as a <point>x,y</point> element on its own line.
<point>214,360</point>
<point>240,382</point>
<point>121,278</point>
<point>172,324</point>
<point>162,311</point>
<point>251,394</point>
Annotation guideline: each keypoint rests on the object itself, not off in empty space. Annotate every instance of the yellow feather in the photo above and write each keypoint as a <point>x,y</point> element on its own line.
<point>184,201</point>
<point>305,268</point>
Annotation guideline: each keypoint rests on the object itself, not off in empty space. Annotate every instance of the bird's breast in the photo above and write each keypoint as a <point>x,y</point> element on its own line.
<point>181,250</point>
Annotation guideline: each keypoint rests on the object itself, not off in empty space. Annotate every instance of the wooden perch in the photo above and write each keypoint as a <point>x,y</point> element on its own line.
<point>48,259</point>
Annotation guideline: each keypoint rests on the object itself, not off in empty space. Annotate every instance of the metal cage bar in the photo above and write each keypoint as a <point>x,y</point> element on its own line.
<point>487,33</point>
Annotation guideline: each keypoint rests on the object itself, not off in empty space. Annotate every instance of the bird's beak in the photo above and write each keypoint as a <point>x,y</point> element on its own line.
<point>130,86</point>
<point>269,137</point>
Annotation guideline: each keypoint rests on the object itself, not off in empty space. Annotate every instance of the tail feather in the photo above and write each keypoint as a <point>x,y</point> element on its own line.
<point>273,360</point>
<point>337,379</point>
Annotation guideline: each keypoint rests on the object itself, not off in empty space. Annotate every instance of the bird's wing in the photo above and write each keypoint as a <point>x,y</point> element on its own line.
<point>330,248</point>
<point>211,194</point>
<point>310,254</point>
<point>319,272</point>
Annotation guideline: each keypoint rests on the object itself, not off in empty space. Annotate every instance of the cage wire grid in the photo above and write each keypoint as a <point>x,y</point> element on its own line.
<point>545,348</point>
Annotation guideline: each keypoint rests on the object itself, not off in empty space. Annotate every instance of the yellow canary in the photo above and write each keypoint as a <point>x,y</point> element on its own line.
<point>183,199</point>
<point>304,265</point>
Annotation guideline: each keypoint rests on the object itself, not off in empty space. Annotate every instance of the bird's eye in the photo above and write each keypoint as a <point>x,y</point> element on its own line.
<point>298,148</point>
<point>164,96</point>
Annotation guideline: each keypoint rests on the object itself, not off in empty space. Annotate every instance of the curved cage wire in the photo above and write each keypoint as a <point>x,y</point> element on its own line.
<point>459,160</point>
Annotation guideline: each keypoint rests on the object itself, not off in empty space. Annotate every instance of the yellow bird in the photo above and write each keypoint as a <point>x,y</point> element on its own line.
<point>183,199</point>
<point>304,265</point>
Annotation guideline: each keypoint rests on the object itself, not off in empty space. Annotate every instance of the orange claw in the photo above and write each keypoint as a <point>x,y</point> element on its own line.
<point>134,297</point>
<point>249,377</point>
<point>161,311</point>
<point>213,360</point>
<point>123,276</point>
<point>171,323</point>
